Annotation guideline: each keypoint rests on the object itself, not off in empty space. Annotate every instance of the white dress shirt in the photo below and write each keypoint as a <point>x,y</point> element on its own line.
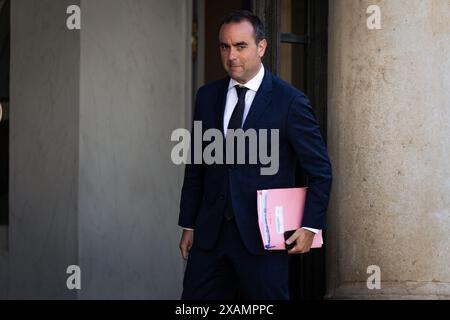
<point>232,98</point>
<point>252,85</point>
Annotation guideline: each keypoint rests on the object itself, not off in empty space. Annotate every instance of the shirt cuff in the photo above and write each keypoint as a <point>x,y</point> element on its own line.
<point>188,229</point>
<point>316,231</point>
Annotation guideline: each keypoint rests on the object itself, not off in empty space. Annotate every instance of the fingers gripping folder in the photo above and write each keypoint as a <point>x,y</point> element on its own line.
<point>280,213</point>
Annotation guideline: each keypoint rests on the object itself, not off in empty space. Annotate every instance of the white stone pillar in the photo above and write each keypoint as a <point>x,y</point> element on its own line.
<point>389,142</point>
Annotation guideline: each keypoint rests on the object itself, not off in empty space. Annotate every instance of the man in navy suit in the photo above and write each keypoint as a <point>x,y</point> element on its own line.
<point>221,240</point>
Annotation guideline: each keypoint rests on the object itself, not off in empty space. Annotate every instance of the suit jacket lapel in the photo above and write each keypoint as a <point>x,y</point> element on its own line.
<point>261,102</point>
<point>220,104</point>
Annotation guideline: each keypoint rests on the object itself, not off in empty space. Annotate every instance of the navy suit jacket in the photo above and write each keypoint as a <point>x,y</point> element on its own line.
<point>277,105</point>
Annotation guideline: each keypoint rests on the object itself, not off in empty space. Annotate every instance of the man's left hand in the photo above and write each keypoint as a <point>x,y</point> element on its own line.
<point>303,238</point>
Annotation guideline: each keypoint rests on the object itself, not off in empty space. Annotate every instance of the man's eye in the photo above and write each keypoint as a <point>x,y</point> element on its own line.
<point>223,47</point>
<point>241,47</point>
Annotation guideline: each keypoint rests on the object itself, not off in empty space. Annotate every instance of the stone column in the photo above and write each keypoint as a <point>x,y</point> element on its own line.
<point>389,137</point>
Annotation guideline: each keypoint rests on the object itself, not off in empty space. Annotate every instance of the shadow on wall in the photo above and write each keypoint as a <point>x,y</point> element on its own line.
<point>4,99</point>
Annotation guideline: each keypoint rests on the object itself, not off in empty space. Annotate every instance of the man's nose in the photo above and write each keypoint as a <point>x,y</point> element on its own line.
<point>232,56</point>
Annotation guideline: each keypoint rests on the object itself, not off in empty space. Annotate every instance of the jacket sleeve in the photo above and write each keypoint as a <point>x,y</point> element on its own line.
<point>192,190</point>
<point>305,137</point>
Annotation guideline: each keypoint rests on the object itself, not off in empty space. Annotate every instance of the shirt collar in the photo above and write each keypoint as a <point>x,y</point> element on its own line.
<point>253,84</point>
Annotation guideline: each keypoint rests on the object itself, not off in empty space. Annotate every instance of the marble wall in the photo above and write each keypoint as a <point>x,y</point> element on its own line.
<point>134,93</point>
<point>92,182</point>
<point>44,133</point>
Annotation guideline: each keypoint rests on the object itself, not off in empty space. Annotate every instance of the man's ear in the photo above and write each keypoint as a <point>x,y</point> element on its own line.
<point>262,45</point>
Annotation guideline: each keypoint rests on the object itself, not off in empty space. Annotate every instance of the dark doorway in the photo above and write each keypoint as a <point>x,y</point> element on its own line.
<point>297,33</point>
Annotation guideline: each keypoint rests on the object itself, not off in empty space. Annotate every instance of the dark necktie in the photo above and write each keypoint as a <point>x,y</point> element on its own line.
<point>235,123</point>
<point>238,112</point>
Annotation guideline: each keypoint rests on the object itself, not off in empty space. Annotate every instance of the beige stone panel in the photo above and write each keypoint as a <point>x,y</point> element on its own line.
<point>389,115</point>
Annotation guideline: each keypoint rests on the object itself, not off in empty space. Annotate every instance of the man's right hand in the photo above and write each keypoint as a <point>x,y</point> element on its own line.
<point>187,239</point>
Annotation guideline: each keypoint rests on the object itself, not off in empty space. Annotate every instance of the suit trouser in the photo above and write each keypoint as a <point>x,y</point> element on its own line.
<point>230,268</point>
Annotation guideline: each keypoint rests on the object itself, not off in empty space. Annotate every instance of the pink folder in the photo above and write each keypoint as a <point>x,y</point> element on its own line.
<point>281,210</point>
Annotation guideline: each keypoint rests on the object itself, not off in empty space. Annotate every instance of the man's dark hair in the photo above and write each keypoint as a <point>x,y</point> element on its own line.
<point>244,15</point>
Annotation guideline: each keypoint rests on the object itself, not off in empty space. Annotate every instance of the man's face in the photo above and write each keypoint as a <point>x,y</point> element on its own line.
<point>241,56</point>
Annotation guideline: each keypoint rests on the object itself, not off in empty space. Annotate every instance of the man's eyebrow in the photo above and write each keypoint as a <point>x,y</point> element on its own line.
<point>242,43</point>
